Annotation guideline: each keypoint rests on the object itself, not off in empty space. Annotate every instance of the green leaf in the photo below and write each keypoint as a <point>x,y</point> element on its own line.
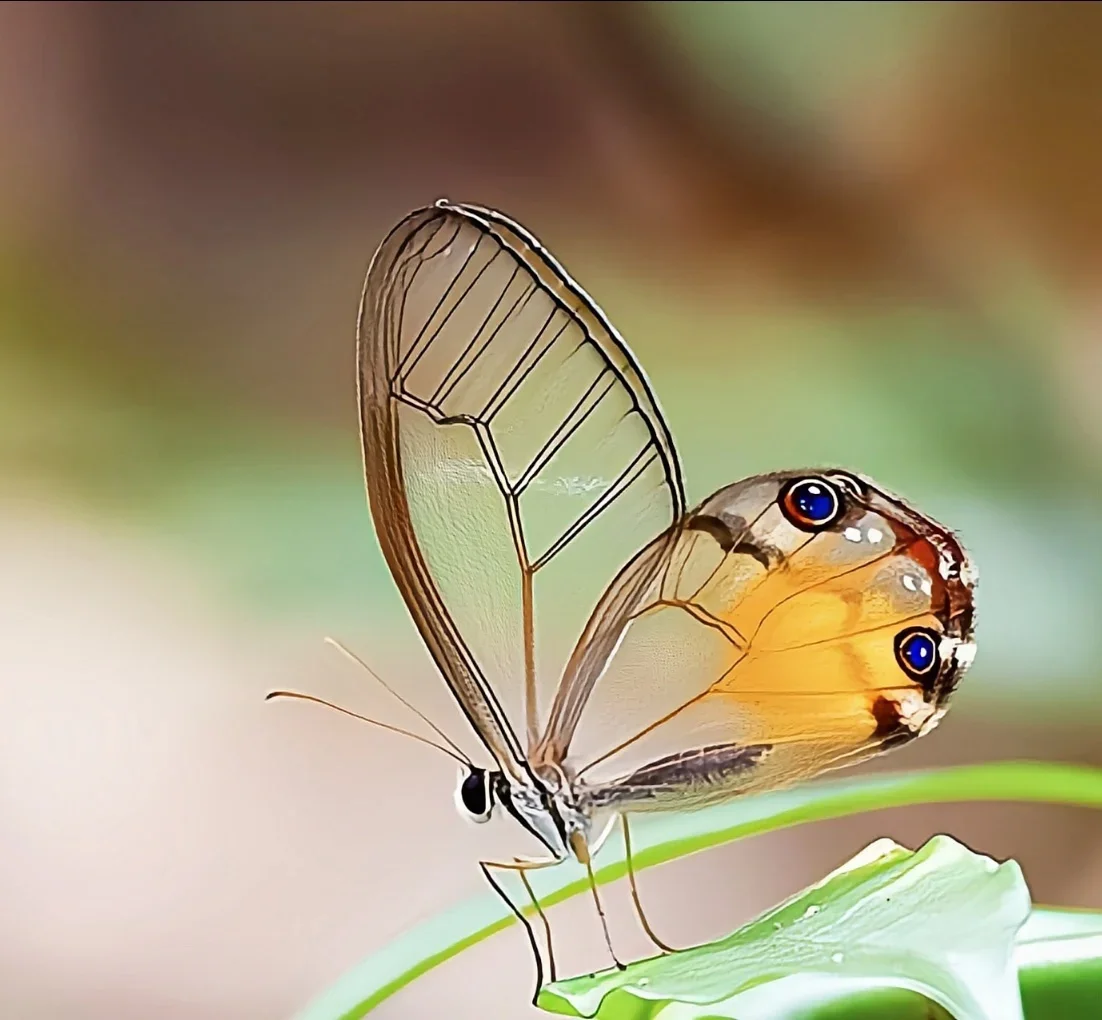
<point>941,921</point>
<point>1059,954</point>
<point>663,838</point>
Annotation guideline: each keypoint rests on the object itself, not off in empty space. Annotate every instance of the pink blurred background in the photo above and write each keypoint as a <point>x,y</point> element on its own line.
<point>866,234</point>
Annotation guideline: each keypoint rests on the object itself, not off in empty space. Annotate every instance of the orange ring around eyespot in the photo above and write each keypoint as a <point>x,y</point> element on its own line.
<point>906,636</point>
<point>798,517</point>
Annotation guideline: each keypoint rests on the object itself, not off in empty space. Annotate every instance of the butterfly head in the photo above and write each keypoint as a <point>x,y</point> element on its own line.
<point>547,812</point>
<point>475,794</point>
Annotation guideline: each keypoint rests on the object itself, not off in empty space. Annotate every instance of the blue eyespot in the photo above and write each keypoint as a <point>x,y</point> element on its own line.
<point>811,503</point>
<point>917,652</point>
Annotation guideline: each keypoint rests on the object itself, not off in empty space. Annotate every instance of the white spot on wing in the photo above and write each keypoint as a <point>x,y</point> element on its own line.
<point>465,470</point>
<point>965,654</point>
<point>571,486</point>
<point>914,713</point>
<point>932,722</point>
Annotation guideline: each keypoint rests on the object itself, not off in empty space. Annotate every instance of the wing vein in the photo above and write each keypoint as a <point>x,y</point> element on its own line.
<point>458,369</point>
<point>570,424</point>
<point>627,477</point>
<point>701,615</point>
<point>519,372</point>
<point>404,366</point>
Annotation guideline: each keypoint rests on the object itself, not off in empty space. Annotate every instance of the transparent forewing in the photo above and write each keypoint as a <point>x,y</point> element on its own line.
<point>763,652</point>
<point>515,458</point>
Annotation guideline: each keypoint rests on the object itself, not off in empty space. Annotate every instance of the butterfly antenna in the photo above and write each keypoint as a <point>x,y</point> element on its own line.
<point>353,657</point>
<point>462,759</point>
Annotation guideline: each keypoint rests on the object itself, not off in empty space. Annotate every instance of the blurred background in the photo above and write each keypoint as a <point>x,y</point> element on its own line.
<point>858,234</point>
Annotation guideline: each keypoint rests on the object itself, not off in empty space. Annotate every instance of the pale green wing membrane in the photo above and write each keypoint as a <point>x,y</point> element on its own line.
<point>514,454</point>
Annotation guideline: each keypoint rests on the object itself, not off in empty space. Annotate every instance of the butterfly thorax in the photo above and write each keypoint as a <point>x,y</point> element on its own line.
<point>547,807</point>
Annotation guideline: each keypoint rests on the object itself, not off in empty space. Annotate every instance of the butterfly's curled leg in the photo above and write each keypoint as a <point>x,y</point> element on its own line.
<point>521,866</point>
<point>635,892</point>
<point>581,851</point>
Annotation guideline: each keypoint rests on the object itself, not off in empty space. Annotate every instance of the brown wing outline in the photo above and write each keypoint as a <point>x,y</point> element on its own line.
<point>513,452</point>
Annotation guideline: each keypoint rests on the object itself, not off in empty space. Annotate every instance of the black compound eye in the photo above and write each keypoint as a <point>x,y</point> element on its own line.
<point>474,795</point>
<point>811,503</point>
<point>916,651</point>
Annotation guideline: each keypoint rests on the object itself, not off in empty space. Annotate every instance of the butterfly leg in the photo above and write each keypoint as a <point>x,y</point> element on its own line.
<point>521,866</point>
<point>635,892</point>
<point>581,852</point>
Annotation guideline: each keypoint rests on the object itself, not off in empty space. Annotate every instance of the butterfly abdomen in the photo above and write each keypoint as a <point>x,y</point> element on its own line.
<point>696,776</point>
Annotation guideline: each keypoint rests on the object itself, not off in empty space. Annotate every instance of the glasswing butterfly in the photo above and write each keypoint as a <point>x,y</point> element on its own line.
<point>615,651</point>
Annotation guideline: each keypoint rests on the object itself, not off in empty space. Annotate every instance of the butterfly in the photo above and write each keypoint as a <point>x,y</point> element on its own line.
<point>615,651</point>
